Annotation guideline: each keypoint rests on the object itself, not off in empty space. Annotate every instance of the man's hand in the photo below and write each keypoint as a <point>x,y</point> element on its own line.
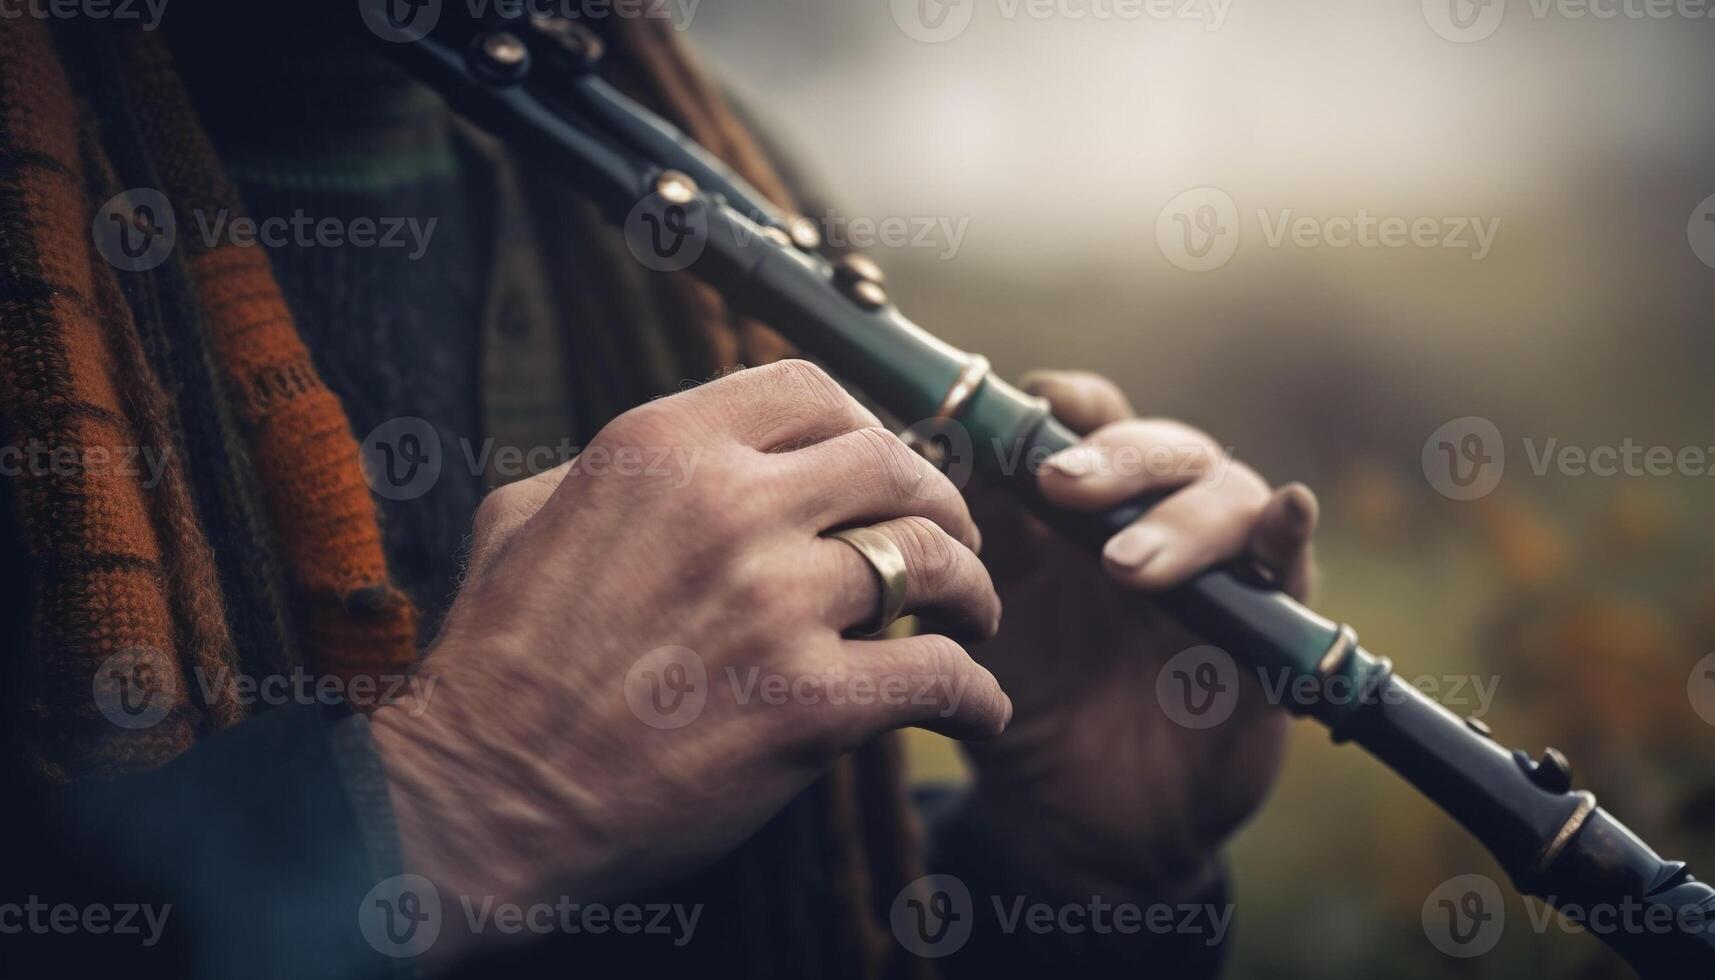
<point>647,661</point>
<point>1113,794</point>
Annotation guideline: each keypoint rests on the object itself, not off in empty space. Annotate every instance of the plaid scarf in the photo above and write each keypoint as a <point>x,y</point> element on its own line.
<point>250,544</point>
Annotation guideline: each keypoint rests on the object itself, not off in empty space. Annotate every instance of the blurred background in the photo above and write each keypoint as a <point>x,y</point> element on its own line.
<point>1028,157</point>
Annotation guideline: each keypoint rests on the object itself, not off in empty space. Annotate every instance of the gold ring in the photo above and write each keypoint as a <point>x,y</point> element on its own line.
<point>889,563</point>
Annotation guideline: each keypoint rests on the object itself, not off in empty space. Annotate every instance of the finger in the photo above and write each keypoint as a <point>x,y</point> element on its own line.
<point>927,681</point>
<point>1120,461</point>
<point>867,476</point>
<point>1281,538</point>
<point>1207,522</point>
<point>781,405</point>
<point>940,575</point>
<point>1083,400</point>
<point>504,511</point>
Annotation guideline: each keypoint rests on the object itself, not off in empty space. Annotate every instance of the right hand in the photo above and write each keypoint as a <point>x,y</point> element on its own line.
<point>527,768</point>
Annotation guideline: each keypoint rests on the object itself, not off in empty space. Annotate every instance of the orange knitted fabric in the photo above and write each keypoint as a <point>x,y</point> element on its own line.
<point>103,546</point>
<point>354,620</point>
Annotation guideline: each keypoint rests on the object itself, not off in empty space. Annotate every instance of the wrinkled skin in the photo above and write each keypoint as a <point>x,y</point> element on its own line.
<point>536,761</point>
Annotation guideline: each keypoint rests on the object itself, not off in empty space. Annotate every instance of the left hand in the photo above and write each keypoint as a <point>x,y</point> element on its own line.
<point>1110,791</point>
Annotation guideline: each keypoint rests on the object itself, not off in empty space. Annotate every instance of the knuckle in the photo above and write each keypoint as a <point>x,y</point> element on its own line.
<point>806,378</point>
<point>494,509</point>
<point>1102,386</point>
<point>896,470</point>
<point>1252,491</point>
<point>943,661</point>
<point>637,425</point>
<point>930,552</point>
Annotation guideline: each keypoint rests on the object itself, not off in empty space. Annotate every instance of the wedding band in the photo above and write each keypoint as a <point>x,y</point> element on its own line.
<point>889,563</point>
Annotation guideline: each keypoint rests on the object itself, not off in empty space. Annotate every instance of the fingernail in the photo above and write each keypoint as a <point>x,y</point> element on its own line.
<point>1133,547</point>
<point>1077,462</point>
